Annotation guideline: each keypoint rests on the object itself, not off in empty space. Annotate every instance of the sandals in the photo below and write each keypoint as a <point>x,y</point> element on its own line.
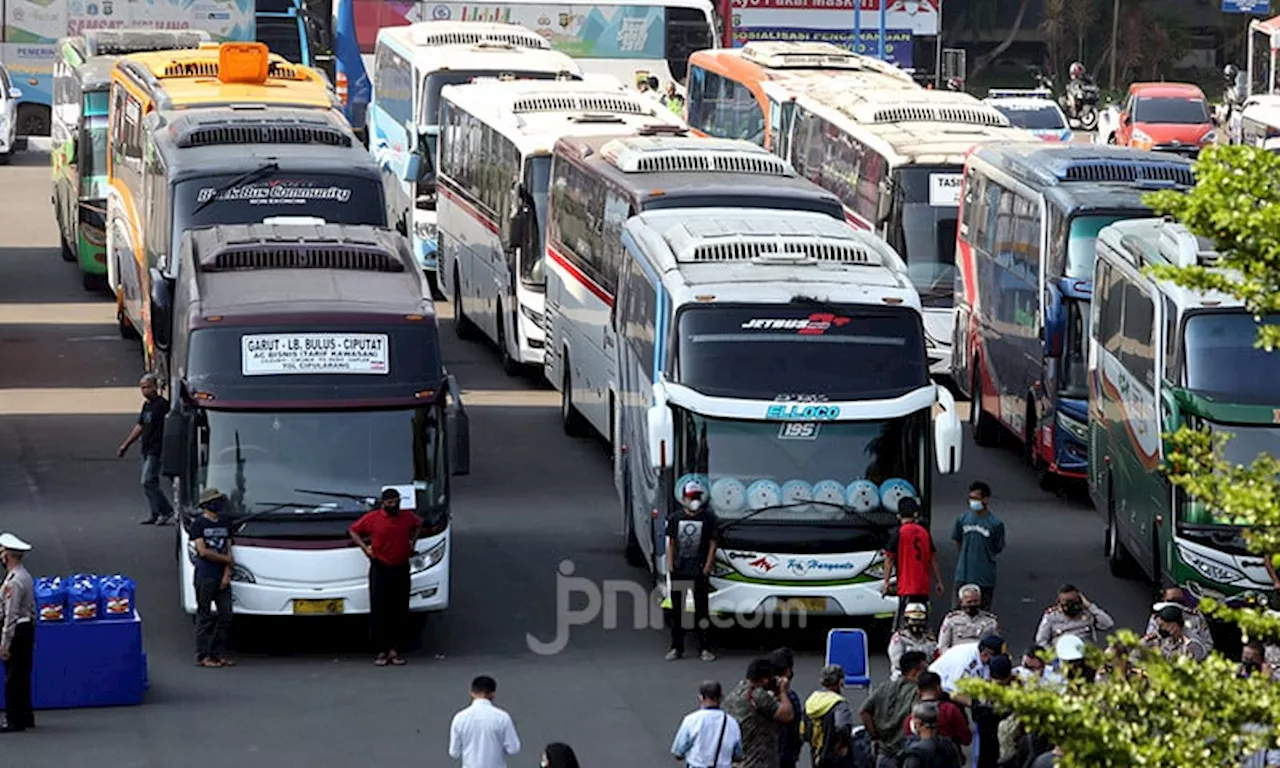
<point>397,661</point>
<point>209,663</point>
<point>382,660</point>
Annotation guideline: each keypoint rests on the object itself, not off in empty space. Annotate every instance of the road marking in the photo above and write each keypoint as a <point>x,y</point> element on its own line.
<point>116,401</point>
<point>88,313</point>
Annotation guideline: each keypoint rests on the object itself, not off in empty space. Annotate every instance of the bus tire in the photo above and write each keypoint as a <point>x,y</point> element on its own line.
<point>66,252</point>
<point>985,434</point>
<point>510,366</point>
<point>1119,562</point>
<point>433,285</point>
<point>572,421</point>
<point>92,283</point>
<point>462,327</point>
<point>634,554</point>
<point>127,331</point>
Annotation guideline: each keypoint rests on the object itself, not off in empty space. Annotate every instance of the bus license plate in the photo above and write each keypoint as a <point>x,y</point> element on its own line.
<point>803,604</point>
<point>318,607</point>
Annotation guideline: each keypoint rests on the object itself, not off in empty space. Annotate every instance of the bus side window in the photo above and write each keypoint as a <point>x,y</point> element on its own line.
<point>1170,340</point>
<point>696,95</point>
<point>1138,352</point>
<point>968,203</point>
<point>1112,310</point>
<point>1057,242</point>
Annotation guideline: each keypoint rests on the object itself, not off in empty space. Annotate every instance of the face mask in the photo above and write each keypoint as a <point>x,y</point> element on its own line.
<point>915,629</point>
<point>1073,609</point>
<point>975,505</point>
<point>972,610</point>
<point>695,505</point>
<point>1165,633</point>
<point>214,506</point>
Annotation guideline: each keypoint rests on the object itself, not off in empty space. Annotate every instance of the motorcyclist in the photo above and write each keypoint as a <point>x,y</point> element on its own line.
<point>1076,86</point>
<point>1233,93</point>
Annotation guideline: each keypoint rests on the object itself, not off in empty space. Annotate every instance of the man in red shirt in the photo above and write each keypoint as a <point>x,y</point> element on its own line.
<point>387,536</point>
<point>911,554</point>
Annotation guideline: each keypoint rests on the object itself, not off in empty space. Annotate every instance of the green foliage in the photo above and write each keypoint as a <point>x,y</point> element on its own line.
<point>1145,710</point>
<point>1235,203</point>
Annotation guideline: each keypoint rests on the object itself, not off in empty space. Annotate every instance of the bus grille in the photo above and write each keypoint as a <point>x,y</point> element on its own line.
<point>831,253</point>
<point>330,257</point>
<point>596,104</point>
<point>513,39</point>
<point>275,70</point>
<point>1130,172</point>
<point>933,114</point>
<point>721,162</point>
<point>264,134</point>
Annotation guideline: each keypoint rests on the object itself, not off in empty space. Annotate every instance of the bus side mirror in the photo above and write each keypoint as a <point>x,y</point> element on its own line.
<point>161,309</point>
<point>661,432</point>
<point>412,169</point>
<point>947,434</point>
<point>1170,412</point>
<point>15,93</point>
<point>519,222</point>
<point>173,451</point>
<point>1054,324</point>
<point>458,428</point>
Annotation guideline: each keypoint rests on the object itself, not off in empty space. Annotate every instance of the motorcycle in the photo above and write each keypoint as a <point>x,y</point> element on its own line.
<point>1079,101</point>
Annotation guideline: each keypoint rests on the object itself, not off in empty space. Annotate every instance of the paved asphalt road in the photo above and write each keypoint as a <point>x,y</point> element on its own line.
<point>311,697</point>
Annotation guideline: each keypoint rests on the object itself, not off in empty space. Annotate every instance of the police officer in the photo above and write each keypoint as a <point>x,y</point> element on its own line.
<point>969,623</point>
<point>17,634</point>
<point>1073,614</point>
<point>1172,639</point>
<point>1193,621</point>
<point>913,636</point>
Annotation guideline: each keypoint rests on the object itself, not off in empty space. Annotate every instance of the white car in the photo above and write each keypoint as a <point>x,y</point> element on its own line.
<point>1034,111</point>
<point>9,95</point>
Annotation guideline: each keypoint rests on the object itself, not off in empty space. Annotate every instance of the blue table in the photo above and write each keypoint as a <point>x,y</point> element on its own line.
<point>96,663</point>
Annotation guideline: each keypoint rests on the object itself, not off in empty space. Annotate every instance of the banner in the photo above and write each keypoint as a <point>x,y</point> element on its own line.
<point>897,49</point>
<point>44,21</point>
<point>579,31</point>
<point>832,21</point>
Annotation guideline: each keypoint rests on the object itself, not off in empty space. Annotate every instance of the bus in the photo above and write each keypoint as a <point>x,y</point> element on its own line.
<point>597,183</point>
<point>411,65</point>
<point>302,401</point>
<point>895,157</point>
<point>1162,357</point>
<point>493,240</point>
<point>78,137</point>
<point>749,92</point>
<point>777,359</point>
<point>1029,221</point>
<point>625,39</point>
<point>192,168</point>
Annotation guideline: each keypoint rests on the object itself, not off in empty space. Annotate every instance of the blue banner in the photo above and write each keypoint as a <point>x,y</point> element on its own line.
<point>1256,7</point>
<point>897,48</point>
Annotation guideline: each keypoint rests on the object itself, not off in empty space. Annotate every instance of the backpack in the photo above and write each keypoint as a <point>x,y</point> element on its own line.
<point>818,735</point>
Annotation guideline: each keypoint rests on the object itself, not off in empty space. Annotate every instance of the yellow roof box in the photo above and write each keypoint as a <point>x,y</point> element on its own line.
<point>248,63</point>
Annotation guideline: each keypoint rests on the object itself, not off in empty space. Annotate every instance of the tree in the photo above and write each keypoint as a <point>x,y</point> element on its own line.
<point>1149,711</point>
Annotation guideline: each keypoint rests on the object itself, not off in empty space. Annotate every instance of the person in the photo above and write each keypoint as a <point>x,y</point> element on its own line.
<point>952,721</point>
<point>911,556</point>
<point>987,716</point>
<point>967,660</point>
<point>929,750</point>
<point>969,623</point>
<point>1072,614</point>
<point>482,735</point>
<point>913,636</point>
<point>887,707</point>
<point>558,755</point>
<point>149,429</point>
<point>691,551</point>
<point>1253,660</point>
<point>1194,621</point>
<point>761,706</point>
<point>1071,666</point>
<point>789,741</point>
<point>979,537</point>
<point>674,101</point>
<point>213,568</point>
<point>708,737</point>
<point>1032,666</point>
<point>17,634</point>
<point>387,536</point>
<point>827,714</point>
<point>1171,638</point>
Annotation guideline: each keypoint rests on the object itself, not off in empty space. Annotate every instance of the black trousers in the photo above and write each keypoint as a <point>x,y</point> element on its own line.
<point>388,605</point>
<point>678,619</point>
<point>212,628</point>
<point>17,677</point>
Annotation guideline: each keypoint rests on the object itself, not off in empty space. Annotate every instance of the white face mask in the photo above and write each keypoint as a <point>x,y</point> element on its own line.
<point>695,504</point>
<point>915,731</point>
<point>975,505</point>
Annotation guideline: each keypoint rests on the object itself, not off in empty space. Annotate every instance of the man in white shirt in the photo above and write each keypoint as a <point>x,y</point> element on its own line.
<point>708,737</point>
<point>482,735</point>
<point>966,660</point>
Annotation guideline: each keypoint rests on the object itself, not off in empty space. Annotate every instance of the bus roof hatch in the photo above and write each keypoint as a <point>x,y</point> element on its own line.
<point>429,34</point>
<point>679,154</point>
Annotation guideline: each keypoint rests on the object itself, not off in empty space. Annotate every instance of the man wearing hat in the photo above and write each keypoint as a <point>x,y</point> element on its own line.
<point>211,537</point>
<point>17,634</point>
<point>387,535</point>
<point>691,551</point>
<point>1172,639</point>
<point>914,635</point>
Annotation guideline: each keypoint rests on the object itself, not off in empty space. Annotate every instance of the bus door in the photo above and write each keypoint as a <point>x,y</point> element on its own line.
<point>782,109</point>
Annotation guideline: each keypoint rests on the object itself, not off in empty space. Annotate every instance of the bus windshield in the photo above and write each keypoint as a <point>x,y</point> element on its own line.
<point>1082,242</point>
<point>1244,447</point>
<point>281,35</point>
<point>1075,382</point>
<point>435,81</point>
<point>262,458</point>
<point>836,352</point>
<point>93,158</point>
<point>537,180</point>
<point>1218,347</point>
<point>760,465</point>
<point>927,201</point>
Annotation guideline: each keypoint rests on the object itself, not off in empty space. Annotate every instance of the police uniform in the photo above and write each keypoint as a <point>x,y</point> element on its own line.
<point>1192,622</point>
<point>1055,623</point>
<point>959,627</point>
<point>903,642</point>
<point>1187,645</point>
<point>17,635</point>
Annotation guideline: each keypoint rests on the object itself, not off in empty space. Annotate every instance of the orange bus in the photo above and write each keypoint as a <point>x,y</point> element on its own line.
<point>748,92</point>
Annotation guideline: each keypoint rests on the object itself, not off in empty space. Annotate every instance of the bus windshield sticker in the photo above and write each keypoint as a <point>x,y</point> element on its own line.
<point>814,325</point>
<point>277,192</point>
<point>944,189</point>
<point>272,354</point>
<point>799,430</point>
<point>803,412</point>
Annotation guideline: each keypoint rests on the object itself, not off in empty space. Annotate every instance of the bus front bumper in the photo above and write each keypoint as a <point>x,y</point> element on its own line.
<point>1069,457</point>
<point>797,599</point>
<point>428,591</point>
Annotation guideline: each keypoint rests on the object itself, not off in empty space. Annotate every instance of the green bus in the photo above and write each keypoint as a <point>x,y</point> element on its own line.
<point>1162,357</point>
<point>78,136</point>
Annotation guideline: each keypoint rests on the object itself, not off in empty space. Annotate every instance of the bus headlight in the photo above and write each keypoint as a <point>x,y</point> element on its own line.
<point>531,316</point>
<point>876,569</point>
<point>241,574</point>
<point>1211,570</point>
<point>1078,430</point>
<point>424,560</point>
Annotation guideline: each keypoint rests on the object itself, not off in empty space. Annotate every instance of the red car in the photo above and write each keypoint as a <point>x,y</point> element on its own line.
<point>1169,117</point>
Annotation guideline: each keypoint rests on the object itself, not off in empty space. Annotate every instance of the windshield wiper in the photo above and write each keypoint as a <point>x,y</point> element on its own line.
<point>271,507</point>
<point>243,178</point>
<point>369,500</point>
<point>848,510</point>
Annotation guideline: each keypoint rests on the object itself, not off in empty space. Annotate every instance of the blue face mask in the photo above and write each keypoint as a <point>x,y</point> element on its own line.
<point>975,505</point>
<point>214,506</point>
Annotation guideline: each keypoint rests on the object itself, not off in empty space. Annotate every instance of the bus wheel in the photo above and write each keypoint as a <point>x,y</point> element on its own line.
<point>572,421</point>
<point>635,555</point>
<point>33,120</point>
<point>510,365</point>
<point>433,283</point>
<point>127,331</point>
<point>92,283</point>
<point>1118,560</point>
<point>461,325</point>
<point>985,434</point>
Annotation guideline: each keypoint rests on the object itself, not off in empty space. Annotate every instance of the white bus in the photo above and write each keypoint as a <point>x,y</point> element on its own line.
<point>895,159</point>
<point>411,65</point>
<point>597,183</point>
<point>778,358</point>
<point>493,203</point>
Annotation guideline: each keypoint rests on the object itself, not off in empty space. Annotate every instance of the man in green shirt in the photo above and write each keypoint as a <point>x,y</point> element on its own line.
<point>889,706</point>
